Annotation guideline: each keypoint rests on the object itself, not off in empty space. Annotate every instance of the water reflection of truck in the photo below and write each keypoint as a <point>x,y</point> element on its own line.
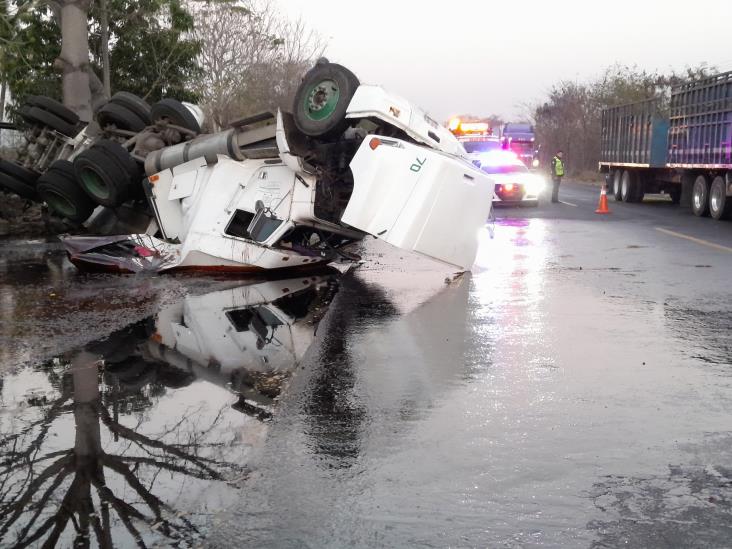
<point>521,139</point>
<point>682,148</point>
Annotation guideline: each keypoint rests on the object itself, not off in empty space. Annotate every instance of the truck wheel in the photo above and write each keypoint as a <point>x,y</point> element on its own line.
<point>719,204</point>
<point>322,98</point>
<point>54,107</point>
<point>700,196</point>
<point>122,118</point>
<point>16,186</point>
<point>24,113</point>
<point>62,193</point>
<point>127,163</point>
<point>627,186</point>
<point>29,177</point>
<point>133,104</point>
<point>617,185</point>
<point>639,187</point>
<point>176,113</point>
<point>52,121</point>
<point>103,177</point>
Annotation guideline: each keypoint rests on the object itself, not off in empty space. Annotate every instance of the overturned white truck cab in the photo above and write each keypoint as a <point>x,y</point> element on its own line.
<point>295,189</point>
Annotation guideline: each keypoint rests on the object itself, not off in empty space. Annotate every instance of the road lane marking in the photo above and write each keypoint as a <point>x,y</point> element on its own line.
<point>696,240</point>
<point>568,203</point>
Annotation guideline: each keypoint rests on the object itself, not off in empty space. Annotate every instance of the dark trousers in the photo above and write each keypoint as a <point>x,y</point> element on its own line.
<point>556,180</point>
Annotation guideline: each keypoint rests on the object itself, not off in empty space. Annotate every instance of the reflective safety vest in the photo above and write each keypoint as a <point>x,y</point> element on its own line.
<point>558,166</point>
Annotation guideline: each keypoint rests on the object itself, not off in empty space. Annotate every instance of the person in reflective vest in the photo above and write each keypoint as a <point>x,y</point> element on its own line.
<point>557,174</point>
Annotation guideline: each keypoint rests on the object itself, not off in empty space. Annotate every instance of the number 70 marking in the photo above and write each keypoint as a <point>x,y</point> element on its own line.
<point>417,165</point>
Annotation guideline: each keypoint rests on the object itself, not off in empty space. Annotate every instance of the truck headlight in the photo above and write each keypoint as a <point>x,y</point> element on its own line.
<point>535,163</point>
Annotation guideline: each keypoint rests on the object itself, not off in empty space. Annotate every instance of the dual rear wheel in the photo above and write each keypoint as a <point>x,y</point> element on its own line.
<point>628,186</point>
<point>709,198</point>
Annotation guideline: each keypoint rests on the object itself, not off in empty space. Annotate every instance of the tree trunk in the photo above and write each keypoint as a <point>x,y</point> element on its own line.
<point>74,58</point>
<point>104,24</point>
<point>3,91</point>
<point>97,90</point>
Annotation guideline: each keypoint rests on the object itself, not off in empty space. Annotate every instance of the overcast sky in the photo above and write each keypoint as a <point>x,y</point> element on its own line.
<point>484,57</point>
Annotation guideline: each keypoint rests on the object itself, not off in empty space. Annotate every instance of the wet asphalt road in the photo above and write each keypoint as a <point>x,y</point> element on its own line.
<point>574,391</point>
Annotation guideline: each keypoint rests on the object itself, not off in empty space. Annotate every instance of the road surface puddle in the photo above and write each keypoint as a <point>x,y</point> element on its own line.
<point>136,439</point>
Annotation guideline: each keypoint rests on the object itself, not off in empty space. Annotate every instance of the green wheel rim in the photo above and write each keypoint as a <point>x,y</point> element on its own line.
<point>321,100</point>
<point>60,203</point>
<point>94,184</point>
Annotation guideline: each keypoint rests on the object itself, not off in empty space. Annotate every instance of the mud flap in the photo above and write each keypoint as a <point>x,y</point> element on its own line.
<point>418,199</point>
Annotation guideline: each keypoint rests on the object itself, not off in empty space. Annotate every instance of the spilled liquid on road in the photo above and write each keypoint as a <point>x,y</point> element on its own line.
<point>559,396</point>
<point>138,438</point>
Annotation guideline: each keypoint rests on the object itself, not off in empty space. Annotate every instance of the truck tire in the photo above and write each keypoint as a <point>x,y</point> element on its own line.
<point>24,113</point>
<point>322,98</point>
<point>122,118</point>
<point>720,204</point>
<point>176,113</point>
<point>103,177</point>
<point>639,188</point>
<point>700,196</point>
<point>617,185</point>
<point>29,177</point>
<point>127,163</point>
<point>134,104</point>
<point>62,193</point>
<point>54,107</point>
<point>627,186</point>
<point>16,186</point>
<point>52,121</point>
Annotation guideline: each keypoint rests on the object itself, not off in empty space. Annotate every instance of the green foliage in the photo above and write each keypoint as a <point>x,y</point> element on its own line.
<point>30,43</point>
<point>151,54</point>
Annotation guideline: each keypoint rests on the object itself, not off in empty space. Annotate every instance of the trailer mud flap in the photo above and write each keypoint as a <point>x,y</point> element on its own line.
<point>418,199</point>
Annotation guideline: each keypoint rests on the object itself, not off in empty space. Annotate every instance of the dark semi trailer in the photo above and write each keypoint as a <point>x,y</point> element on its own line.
<point>681,147</point>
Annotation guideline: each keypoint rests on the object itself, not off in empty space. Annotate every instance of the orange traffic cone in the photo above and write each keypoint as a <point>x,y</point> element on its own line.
<point>602,205</point>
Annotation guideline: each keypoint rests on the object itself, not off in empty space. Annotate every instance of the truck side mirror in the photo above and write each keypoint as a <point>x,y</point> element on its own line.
<point>263,223</point>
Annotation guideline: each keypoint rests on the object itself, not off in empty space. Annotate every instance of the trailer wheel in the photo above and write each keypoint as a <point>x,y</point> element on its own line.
<point>176,113</point>
<point>617,185</point>
<point>62,193</point>
<point>14,185</point>
<point>52,121</point>
<point>719,204</point>
<point>54,107</point>
<point>627,186</point>
<point>122,118</point>
<point>104,178</point>
<point>639,187</point>
<point>29,177</point>
<point>322,98</point>
<point>133,104</point>
<point>700,196</point>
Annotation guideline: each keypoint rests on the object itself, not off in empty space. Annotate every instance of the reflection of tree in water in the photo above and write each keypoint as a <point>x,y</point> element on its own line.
<point>334,414</point>
<point>117,484</point>
<point>87,492</point>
